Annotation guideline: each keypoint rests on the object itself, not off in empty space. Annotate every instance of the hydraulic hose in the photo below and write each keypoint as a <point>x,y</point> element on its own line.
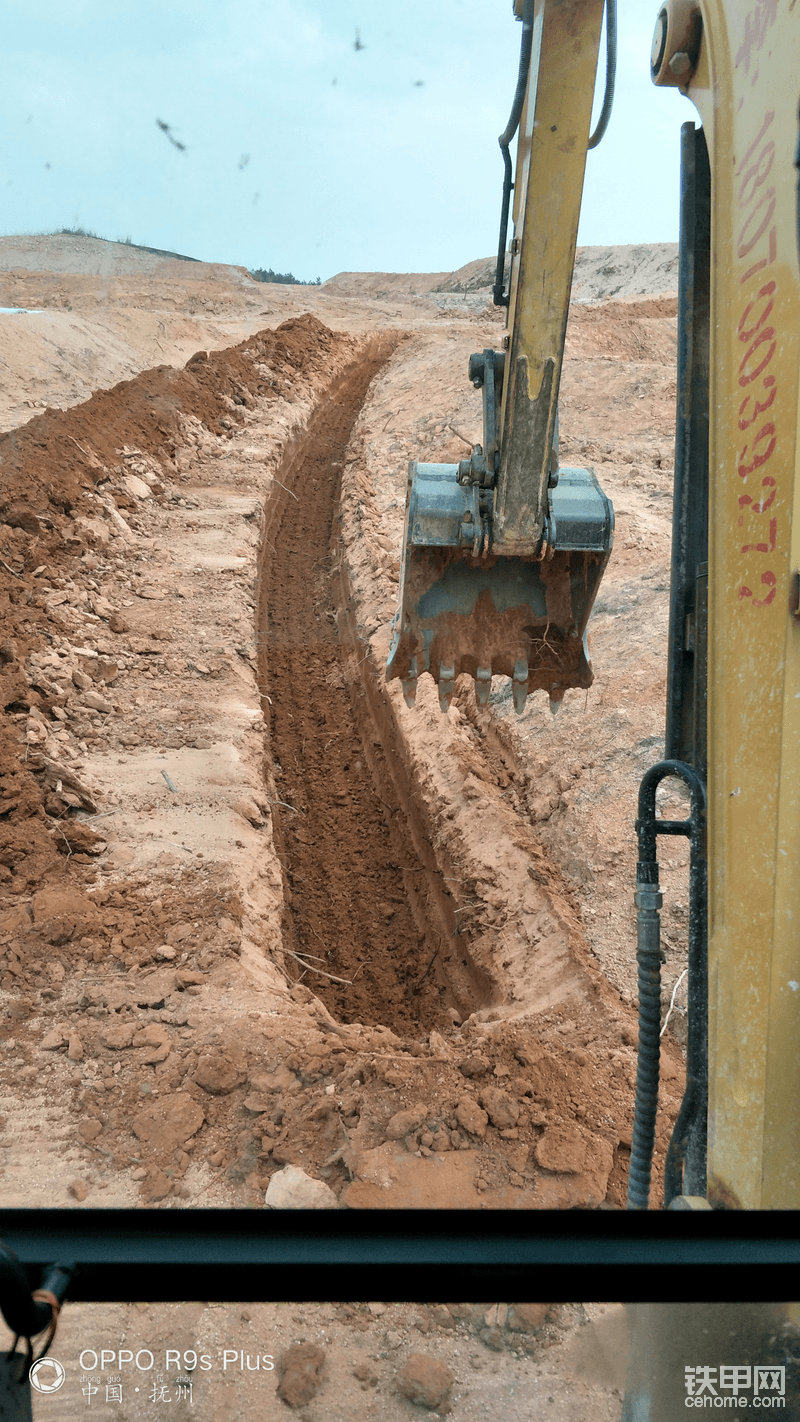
<point>499,294</point>
<point>498,291</point>
<point>648,902</point>
<point>522,77</point>
<point>611,73</point>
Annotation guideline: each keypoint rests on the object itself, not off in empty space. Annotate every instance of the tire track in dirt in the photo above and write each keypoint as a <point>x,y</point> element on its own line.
<point>345,846</point>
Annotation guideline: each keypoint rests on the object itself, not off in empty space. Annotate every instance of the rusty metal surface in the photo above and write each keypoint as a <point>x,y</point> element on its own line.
<point>548,185</point>
<point>518,610</point>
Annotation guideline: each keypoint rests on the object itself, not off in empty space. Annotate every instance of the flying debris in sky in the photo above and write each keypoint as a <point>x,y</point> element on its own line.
<point>167,129</point>
<point>243,161</point>
<point>357,45</point>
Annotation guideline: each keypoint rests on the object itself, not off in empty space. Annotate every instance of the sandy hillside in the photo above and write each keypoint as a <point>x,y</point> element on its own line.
<point>254,912</point>
<point>78,314</point>
<point>600,274</point>
<point>74,254</point>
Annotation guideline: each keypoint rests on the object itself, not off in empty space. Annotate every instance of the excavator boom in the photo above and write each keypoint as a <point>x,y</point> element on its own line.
<point>503,553</point>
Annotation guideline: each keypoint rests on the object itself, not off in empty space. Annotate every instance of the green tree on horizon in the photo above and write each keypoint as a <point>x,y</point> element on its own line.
<point>286,278</point>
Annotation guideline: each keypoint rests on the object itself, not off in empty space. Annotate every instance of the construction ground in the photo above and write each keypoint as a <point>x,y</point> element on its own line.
<point>260,921</point>
<point>254,911</point>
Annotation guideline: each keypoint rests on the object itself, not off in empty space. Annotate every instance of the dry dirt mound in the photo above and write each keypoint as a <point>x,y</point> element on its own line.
<point>384,283</point>
<point>50,515</point>
<point>600,273</point>
<point>637,270</point>
<point>94,256</point>
<point>78,314</point>
<point>46,463</point>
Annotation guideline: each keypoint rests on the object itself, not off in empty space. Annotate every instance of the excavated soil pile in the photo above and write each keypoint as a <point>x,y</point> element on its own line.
<point>44,462</point>
<point>600,273</point>
<point>51,514</point>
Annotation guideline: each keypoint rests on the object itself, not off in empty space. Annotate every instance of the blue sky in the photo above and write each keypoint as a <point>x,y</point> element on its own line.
<point>300,152</point>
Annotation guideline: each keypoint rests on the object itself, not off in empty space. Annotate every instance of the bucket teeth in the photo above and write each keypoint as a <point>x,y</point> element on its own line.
<point>409,684</point>
<point>483,685</point>
<point>519,685</point>
<point>447,684</point>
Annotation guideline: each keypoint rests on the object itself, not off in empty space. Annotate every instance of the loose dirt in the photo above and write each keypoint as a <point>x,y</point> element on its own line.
<point>254,911</point>
<point>230,1363</point>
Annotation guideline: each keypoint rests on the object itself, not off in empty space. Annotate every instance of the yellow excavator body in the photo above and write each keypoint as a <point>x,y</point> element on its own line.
<point>739,63</point>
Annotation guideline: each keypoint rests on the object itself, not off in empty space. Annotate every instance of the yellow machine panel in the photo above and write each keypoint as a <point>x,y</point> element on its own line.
<point>744,79</point>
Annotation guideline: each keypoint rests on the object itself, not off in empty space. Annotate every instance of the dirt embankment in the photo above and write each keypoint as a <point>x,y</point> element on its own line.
<point>77,255</point>
<point>382,284</point>
<point>254,911</point>
<point>78,314</point>
<point>601,273</point>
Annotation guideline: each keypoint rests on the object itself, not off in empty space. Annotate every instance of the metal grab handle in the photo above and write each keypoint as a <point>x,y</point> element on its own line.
<point>688,1144</point>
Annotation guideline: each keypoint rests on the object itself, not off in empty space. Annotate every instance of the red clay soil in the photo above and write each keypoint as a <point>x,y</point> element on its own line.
<point>48,470</point>
<point>55,456</point>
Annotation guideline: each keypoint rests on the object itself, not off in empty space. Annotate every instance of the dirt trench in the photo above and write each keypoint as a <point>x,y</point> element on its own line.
<point>367,923</point>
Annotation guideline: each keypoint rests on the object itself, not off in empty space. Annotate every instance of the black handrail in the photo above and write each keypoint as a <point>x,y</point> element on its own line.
<point>687,1147</point>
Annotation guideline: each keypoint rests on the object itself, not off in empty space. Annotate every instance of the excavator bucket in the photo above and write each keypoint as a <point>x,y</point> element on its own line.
<point>464,608</point>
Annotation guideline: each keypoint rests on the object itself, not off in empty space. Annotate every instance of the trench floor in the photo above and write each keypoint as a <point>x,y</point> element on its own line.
<point>350,869</point>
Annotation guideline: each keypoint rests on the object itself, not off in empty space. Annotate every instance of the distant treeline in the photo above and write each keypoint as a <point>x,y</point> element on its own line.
<point>285,277</point>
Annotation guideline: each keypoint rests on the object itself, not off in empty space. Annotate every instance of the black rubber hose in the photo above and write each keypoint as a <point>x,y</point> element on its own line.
<point>678,1147</point>
<point>647,1070</point>
<point>522,77</point>
<point>498,291</point>
<point>611,73</point>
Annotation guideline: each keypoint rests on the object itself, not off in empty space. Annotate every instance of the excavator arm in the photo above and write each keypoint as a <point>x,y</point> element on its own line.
<point>504,552</point>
